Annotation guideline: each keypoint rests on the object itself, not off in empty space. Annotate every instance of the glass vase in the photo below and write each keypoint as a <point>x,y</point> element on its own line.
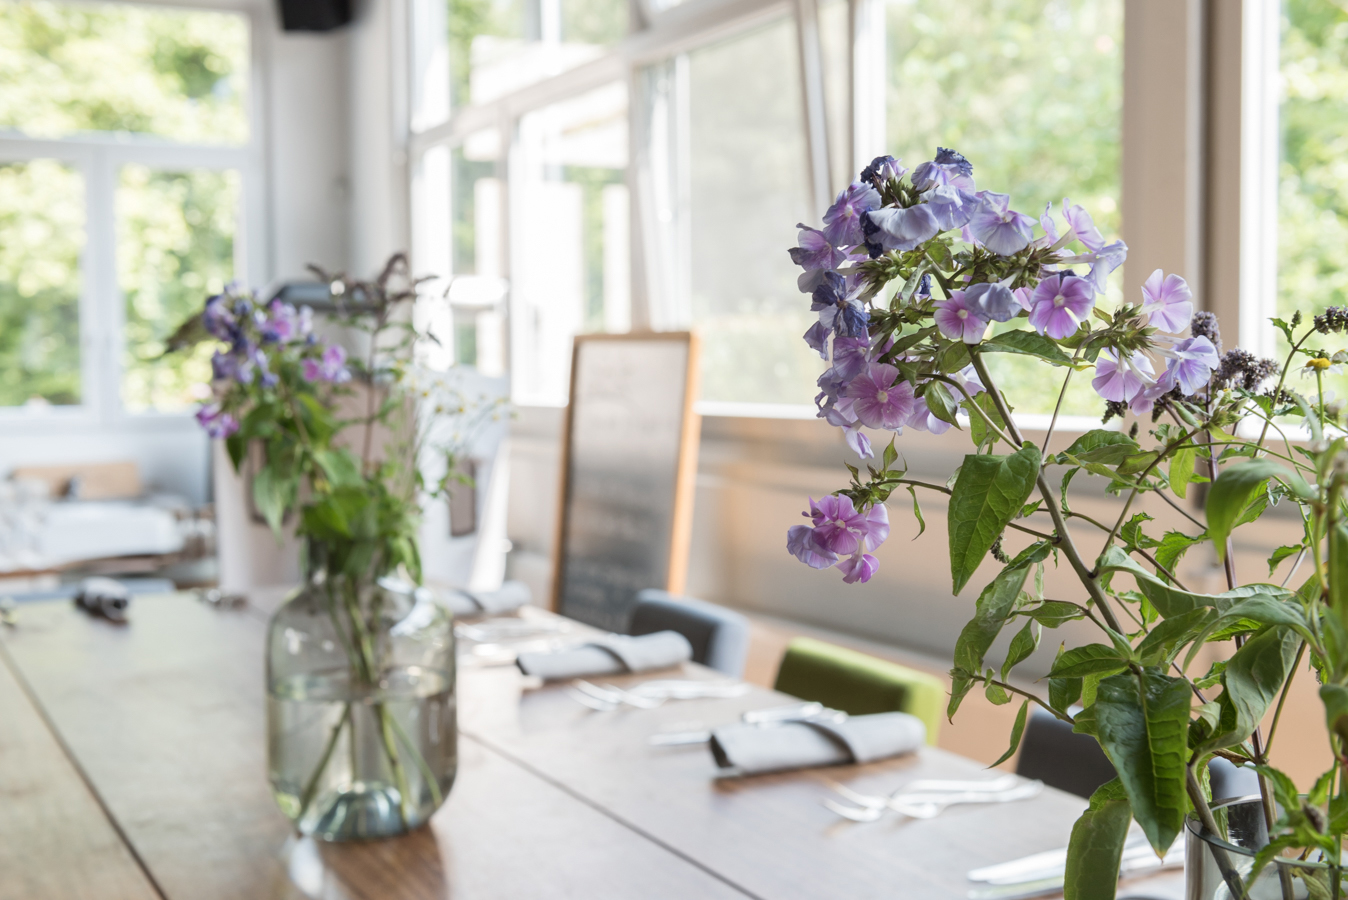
<point>361,720</point>
<point>1218,867</point>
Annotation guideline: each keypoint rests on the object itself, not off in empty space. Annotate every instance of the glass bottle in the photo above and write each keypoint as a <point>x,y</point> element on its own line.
<point>361,718</point>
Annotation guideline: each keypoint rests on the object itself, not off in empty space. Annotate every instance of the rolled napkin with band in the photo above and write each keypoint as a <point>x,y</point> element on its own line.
<point>508,598</point>
<point>614,654</point>
<point>821,741</point>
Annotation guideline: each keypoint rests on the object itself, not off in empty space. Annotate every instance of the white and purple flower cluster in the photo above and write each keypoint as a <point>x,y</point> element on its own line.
<point>990,266</point>
<point>257,339</point>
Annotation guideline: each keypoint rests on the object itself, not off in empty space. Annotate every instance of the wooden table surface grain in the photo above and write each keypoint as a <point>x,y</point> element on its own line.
<point>166,718</point>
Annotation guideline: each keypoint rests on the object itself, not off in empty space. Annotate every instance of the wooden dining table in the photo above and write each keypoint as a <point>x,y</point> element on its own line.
<point>133,765</point>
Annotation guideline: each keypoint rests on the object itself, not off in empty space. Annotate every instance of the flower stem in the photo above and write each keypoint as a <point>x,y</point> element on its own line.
<point>307,798</point>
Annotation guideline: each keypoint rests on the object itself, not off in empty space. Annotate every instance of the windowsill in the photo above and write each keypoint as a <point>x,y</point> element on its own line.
<point>19,422</point>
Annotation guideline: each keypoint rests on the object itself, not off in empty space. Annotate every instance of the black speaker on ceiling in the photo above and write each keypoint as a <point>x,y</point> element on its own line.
<point>314,15</point>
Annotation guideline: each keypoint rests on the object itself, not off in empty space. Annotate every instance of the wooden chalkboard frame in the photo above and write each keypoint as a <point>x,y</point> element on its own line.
<point>685,480</point>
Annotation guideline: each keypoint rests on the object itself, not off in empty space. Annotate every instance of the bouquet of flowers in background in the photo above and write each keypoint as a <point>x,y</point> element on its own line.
<point>907,275</point>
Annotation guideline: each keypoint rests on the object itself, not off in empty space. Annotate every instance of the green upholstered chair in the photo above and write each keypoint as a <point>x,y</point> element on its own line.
<point>858,683</point>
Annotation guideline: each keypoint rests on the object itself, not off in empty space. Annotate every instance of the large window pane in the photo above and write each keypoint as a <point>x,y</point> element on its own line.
<point>68,68</point>
<point>724,181</point>
<point>175,247</point>
<point>474,51</point>
<point>42,223</point>
<point>569,239</point>
<point>1312,173</point>
<point>1031,91</point>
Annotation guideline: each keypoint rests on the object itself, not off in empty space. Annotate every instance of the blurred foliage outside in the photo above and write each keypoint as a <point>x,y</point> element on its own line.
<point>175,74</point>
<point>175,247</point>
<point>69,69</point>
<point>42,223</point>
<point>1031,91</point>
<point>1313,168</point>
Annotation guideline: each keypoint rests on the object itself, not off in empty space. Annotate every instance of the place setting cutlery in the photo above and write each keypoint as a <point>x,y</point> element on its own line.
<point>776,715</point>
<point>927,799</point>
<point>651,694</point>
<point>1042,873</point>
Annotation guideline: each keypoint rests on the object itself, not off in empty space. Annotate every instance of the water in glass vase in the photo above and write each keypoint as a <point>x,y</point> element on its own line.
<point>352,762</point>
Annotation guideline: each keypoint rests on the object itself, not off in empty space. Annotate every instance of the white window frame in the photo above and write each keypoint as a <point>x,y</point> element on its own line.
<point>98,157</point>
<point>1172,140</point>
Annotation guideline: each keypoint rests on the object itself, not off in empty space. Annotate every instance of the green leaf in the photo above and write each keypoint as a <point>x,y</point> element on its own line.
<point>1138,463</point>
<point>1280,554</point>
<point>989,492</point>
<point>1335,699</point>
<point>941,404</point>
<point>340,467</point>
<point>1096,846</point>
<point>1172,547</point>
<point>978,428</point>
<point>1253,677</point>
<point>1052,613</point>
<point>1092,659</point>
<point>1016,731</point>
<point>1158,647</point>
<point>1133,535</point>
<point>961,682</point>
<point>1182,471</point>
<point>1143,722</point>
<point>995,693</point>
<point>1171,601</point>
<point>1338,566</point>
<point>269,496</point>
<point>1100,446</point>
<point>1235,487</point>
<point>995,606</point>
<point>1023,644</point>
<point>917,513</point>
<point>1028,343</point>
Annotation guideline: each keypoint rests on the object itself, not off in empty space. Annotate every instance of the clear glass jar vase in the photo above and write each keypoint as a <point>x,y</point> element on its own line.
<point>361,719</point>
<point>1218,867</point>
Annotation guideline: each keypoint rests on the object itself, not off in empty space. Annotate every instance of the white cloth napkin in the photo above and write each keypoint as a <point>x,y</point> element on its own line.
<point>816,742</point>
<point>610,655</point>
<point>508,598</point>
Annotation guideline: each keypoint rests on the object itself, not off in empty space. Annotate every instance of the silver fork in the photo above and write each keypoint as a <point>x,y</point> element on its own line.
<point>615,696</point>
<point>925,786</point>
<point>931,805</point>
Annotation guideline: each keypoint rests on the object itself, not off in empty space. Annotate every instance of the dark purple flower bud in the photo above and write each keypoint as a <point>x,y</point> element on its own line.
<point>948,167</point>
<point>882,170</point>
<point>217,422</point>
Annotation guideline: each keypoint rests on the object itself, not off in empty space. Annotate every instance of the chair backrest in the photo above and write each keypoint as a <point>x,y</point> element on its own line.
<point>858,683</point>
<point>1052,752</point>
<point>720,636</point>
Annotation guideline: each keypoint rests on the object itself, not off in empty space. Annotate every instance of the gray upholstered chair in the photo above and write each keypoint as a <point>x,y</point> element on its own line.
<point>1061,758</point>
<point>720,637</point>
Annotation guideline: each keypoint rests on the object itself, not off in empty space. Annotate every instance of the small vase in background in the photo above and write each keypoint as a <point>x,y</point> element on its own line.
<point>362,730</point>
<point>1205,858</point>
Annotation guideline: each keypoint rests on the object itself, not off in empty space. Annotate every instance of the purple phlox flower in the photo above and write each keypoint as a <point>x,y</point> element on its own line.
<point>1060,304</point>
<point>994,301</point>
<point>849,356</point>
<point>1190,365</point>
<point>896,228</point>
<point>923,419</point>
<point>331,367</point>
<point>882,170</point>
<point>842,222</point>
<point>1000,228</point>
<point>842,415</point>
<point>839,307</point>
<point>1083,226</point>
<point>953,207</point>
<point>815,250</point>
<point>282,324</point>
<point>1167,302</point>
<point>837,524</point>
<point>969,380</point>
<point>948,168</point>
<point>858,568</point>
<point>959,319</point>
<point>968,236</point>
<point>817,338</point>
<point>1124,380</point>
<point>306,322</point>
<point>923,288</point>
<point>1022,296</point>
<point>1050,227</point>
<point>801,543</point>
<point>1102,263</point>
<point>225,366</point>
<point>217,422</point>
<point>878,401</point>
<point>265,374</point>
<point>218,320</point>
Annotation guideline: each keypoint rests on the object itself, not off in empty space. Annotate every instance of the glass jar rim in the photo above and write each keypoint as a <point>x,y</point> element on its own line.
<point>1195,827</point>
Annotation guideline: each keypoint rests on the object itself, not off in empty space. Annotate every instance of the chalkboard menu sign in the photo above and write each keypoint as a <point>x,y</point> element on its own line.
<point>628,466</point>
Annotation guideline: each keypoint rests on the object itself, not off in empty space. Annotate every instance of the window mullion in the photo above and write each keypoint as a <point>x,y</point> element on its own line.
<point>813,118</point>
<point>101,314</point>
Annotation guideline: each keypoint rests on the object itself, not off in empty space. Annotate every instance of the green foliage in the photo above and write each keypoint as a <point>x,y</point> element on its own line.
<point>1017,729</point>
<point>1233,490</point>
<point>1096,848</point>
<point>989,492</point>
<point>1143,722</point>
